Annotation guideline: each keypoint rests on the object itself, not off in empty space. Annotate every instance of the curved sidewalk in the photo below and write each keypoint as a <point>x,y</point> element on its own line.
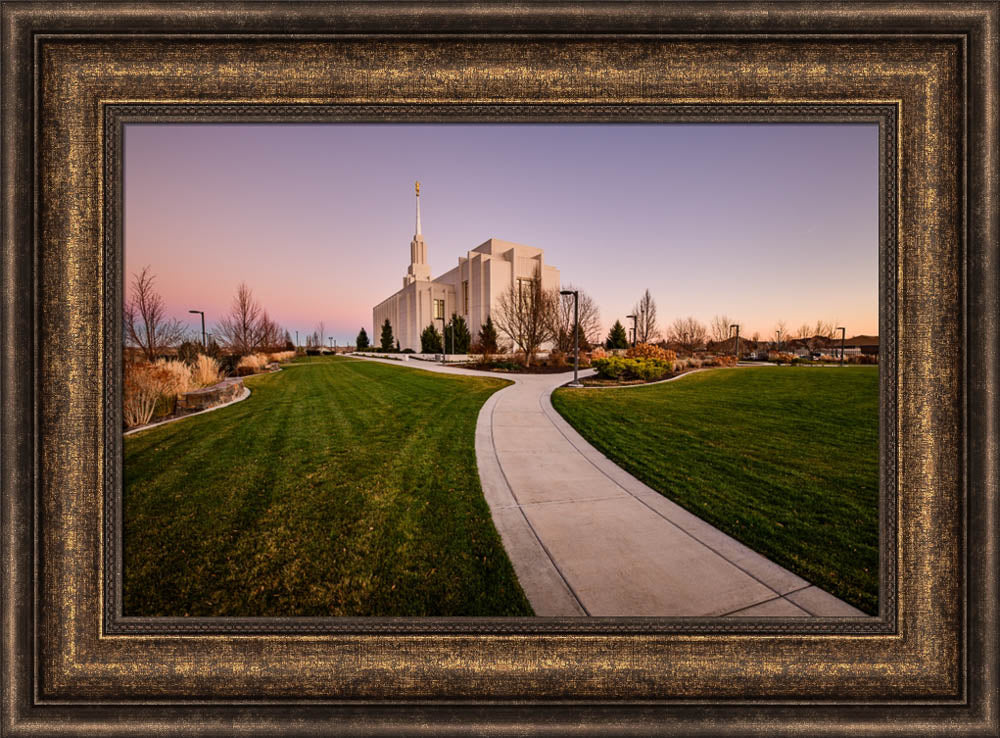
<point>587,538</point>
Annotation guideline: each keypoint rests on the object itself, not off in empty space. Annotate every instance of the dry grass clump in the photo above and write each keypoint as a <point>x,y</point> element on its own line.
<point>145,384</point>
<point>724,360</point>
<point>205,371</point>
<point>282,356</point>
<point>179,376</point>
<point>253,362</point>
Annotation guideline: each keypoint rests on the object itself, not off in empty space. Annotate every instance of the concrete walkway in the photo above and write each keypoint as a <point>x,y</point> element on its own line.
<point>587,538</point>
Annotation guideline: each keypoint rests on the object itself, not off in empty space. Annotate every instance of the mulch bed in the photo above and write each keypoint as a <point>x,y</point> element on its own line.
<point>533,369</point>
<point>603,382</point>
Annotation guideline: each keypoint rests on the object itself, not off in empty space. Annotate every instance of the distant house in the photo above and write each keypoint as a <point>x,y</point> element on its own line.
<point>867,345</point>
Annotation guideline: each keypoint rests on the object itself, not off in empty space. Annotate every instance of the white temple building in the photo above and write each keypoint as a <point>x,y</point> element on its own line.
<point>469,289</point>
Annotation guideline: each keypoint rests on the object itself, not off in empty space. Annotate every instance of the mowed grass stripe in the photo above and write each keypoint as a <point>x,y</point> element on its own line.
<point>784,459</point>
<point>339,487</point>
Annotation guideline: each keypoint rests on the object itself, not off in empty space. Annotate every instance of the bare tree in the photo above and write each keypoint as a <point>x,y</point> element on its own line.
<point>720,328</point>
<point>780,332</point>
<point>270,336</point>
<point>320,332</point>
<point>240,330</point>
<point>645,323</point>
<point>524,313</point>
<point>825,329</point>
<point>589,319</point>
<point>688,332</point>
<point>805,331</point>
<point>146,324</point>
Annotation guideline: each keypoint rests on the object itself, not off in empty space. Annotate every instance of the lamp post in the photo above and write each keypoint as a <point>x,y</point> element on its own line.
<point>576,335</point>
<point>443,355</point>
<point>779,339</point>
<point>737,327</point>
<point>635,333</point>
<point>296,340</point>
<point>204,343</point>
<point>843,333</point>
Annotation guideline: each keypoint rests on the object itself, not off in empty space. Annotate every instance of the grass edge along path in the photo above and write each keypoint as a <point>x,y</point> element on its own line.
<point>339,487</point>
<point>785,460</point>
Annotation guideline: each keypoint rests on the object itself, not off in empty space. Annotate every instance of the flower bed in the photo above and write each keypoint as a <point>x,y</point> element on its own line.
<point>645,370</point>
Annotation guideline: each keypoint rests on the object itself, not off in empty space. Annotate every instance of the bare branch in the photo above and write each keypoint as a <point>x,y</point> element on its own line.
<point>240,330</point>
<point>589,318</point>
<point>147,326</point>
<point>688,332</point>
<point>720,328</point>
<point>645,325</point>
<point>524,312</point>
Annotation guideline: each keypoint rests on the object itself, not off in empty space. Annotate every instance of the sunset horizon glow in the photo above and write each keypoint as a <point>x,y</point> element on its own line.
<point>758,222</point>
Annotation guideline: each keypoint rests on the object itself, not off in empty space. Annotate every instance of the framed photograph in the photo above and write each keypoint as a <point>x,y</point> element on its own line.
<point>574,368</point>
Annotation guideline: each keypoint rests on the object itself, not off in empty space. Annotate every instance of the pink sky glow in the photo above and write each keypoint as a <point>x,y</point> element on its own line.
<point>759,222</point>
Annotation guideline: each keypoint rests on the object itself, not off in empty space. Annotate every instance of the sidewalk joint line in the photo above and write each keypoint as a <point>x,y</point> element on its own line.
<point>568,502</point>
<point>513,494</point>
<point>547,395</point>
<point>764,602</point>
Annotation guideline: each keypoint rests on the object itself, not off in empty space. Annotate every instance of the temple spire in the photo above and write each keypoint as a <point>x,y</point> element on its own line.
<point>419,271</point>
<point>418,208</point>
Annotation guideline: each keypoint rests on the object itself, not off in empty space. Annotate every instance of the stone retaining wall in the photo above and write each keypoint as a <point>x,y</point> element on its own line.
<point>206,397</point>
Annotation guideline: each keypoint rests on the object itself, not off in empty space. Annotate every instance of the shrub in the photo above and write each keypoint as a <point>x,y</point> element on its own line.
<point>557,359</point>
<point>649,351</point>
<point>487,340</point>
<point>188,352</point>
<point>228,364</point>
<point>251,364</point>
<point>615,367</point>
<point>726,360</point>
<point>430,340</point>
<point>205,372</point>
<point>598,353</point>
<point>179,373</point>
<point>863,359</point>
<point>145,384</point>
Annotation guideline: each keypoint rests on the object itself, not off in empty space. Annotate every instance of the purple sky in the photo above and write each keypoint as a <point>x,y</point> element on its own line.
<point>759,222</point>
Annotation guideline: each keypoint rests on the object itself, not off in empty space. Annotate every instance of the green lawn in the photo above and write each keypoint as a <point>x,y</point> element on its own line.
<point>340,487</point>
<point>784,459</point>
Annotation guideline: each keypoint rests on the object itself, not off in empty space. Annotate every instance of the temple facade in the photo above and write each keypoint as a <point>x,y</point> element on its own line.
<point>469,289</point>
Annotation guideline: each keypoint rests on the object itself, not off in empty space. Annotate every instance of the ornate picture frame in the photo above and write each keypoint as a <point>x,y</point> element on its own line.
<point>73,75</point>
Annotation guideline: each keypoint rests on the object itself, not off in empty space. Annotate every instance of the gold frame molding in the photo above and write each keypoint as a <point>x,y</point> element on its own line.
<point>73,73</point>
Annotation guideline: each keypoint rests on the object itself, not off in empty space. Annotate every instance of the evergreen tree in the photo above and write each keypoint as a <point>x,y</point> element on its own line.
<point>361,342</point>
<point>397,345</point>
<point>386,340</point>
<point>617,338</point>
<point>430,340</point>
<point>488,337</point>
<point>456,336</point>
